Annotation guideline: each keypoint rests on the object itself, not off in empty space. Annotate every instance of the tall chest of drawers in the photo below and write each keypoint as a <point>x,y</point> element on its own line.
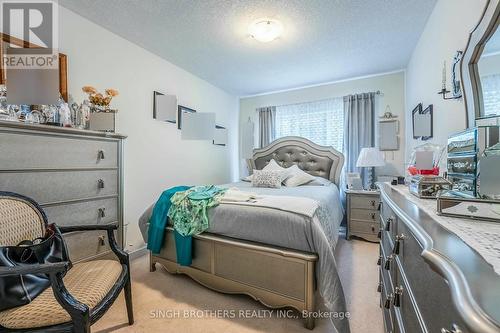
<point>75,175</point>
<point>429,279</point>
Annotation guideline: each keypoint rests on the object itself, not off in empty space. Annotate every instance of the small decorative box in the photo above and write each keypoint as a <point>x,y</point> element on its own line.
<point>102,121</point>
<point>456,204</point>
<point>427,187</point>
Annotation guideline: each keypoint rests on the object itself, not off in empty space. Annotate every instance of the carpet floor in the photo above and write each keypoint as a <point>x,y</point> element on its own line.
<point>172,303</point>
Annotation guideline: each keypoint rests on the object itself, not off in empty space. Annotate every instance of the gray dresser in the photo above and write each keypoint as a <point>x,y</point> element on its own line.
<point>431,280</point>
<point>75,175</point>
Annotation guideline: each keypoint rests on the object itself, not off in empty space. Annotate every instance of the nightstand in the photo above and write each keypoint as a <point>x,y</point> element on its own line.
<point>363,214</point>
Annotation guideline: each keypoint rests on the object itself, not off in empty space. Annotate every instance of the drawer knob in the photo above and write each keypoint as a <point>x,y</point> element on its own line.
<point>399,239</point>
<point>100,154</point>
<point>100,184</point>
<point>102,212</point>
<point>372,202</point>
<point>379,261</point>
<point>102,241</point>
<point>379,205</point>
<point>379,287</point>
<point>387,265</point>
<point>388,223</point>
<point>455,329</point>
<point>388,301</point>
<point>379,235</point>
<point>397,296</point>
<point>373,216</point>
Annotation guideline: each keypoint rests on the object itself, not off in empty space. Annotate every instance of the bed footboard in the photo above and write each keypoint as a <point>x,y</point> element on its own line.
<point>274,276</point>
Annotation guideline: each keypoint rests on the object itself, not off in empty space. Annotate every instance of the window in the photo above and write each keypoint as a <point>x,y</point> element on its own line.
<point>321,122</point>
<point>491,94</point>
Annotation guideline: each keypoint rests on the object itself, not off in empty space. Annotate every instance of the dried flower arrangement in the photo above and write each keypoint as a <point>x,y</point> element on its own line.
<point>98,99</point>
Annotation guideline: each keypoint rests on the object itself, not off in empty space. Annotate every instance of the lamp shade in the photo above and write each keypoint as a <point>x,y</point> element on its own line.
<point>370,157</point>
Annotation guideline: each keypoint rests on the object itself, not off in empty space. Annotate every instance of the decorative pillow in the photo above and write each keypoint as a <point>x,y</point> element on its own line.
<point>271,166</point>
<point>297,177</point>
<point>264,178</point>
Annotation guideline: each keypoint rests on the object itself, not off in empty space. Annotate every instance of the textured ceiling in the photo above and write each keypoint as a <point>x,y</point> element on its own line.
<point>324,40</point>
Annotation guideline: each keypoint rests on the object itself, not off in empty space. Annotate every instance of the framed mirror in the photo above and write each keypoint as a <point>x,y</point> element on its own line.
<point>480,69</point>
<point>63,62</point>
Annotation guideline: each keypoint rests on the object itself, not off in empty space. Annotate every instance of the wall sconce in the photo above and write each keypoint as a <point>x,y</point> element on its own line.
<point>455,81</point>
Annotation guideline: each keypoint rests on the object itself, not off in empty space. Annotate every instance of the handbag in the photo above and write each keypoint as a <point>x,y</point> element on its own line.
<point>17,290</point>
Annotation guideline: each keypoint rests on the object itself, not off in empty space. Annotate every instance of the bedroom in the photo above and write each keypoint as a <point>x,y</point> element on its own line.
<point>160,94</point>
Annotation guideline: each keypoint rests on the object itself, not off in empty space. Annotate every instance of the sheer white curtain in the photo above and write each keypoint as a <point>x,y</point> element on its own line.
<point>321,121</point>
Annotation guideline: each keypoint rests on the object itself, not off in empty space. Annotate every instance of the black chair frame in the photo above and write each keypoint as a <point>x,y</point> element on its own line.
<point>81,316</point>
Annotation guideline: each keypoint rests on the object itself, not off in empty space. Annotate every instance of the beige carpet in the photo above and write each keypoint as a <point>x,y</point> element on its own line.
<point>160,292</point>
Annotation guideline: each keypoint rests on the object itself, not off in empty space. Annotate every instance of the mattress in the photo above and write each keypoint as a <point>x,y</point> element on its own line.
<point>277,227</point>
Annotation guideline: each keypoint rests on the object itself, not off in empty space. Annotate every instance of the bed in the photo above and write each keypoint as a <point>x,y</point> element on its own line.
<point>278,257</point>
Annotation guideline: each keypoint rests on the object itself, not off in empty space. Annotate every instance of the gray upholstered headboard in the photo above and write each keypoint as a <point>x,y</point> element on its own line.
<point>314,159</point>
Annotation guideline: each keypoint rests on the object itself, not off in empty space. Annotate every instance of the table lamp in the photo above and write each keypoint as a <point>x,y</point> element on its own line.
<point>370,158</point>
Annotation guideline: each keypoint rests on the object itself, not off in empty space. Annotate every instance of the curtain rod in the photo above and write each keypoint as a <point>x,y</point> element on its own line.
<point>378,92</point>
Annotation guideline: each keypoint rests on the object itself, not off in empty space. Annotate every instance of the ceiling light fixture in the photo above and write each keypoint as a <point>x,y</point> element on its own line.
<point>265,30</point>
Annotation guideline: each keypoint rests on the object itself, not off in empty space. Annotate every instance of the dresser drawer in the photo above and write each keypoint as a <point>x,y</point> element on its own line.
<point>431,295</point>
<point>33,151</point>
<point>84,213</point>
<point>386,312</point>
<point>84,245</point>
<point>388,220</point>
<point>406,308</point>
<point>49,187</point>
<point>364,215</point>
<point>364,201</point>
<point>364,227</point>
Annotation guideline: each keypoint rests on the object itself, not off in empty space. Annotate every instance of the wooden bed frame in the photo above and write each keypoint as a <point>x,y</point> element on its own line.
<point>275,276</point>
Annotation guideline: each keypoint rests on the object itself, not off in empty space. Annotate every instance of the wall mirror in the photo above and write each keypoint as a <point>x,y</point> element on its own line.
<point>63,62</point>
<point>481,69</point>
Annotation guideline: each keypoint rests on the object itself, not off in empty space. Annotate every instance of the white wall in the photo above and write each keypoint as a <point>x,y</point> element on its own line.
<point>391,85</point>
<point>155,156</point>
<point>447,31</point>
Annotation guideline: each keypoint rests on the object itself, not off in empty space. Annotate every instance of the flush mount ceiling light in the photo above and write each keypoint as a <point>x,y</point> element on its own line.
<point>265,30</point>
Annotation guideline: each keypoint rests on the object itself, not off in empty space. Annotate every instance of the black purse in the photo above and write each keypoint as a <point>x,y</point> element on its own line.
<point>19,290</point>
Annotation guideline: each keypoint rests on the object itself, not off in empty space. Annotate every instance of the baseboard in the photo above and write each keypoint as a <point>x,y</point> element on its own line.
<point>138,253</point>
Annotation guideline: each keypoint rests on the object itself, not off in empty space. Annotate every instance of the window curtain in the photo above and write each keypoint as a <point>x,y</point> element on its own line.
<point>321,121</point>
<point>267,125</point>
<point>359,131</point>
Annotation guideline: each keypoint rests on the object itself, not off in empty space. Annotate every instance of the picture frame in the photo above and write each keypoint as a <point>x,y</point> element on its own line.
<point>164,107</point>
<point>429,111</point>
<point>180,110</point>
<point>422,121</point>
<point>414,113</point>
<point>220,136</point>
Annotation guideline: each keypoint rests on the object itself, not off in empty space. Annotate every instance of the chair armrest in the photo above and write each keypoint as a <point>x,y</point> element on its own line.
<point>122,255</point>
<point>53,268</point>
<point>65,229</point>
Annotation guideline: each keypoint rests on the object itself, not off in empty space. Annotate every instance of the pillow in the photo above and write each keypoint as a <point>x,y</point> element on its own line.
<point>297,177</point>
<point>271,166</point>
<point>319,181</point>
<point>265,178</point>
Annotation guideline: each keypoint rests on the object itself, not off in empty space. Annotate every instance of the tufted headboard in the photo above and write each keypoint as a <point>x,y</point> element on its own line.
<point>314,159</point>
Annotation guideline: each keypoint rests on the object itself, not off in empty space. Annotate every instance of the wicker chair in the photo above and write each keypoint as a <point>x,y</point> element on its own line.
<point>76,300</point>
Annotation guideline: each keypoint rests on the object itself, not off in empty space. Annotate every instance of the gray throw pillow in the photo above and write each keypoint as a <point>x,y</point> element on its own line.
<point>263,178</point>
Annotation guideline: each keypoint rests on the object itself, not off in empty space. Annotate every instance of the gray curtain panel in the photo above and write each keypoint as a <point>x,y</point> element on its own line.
<point>359,131</point>
<point>267,123</point>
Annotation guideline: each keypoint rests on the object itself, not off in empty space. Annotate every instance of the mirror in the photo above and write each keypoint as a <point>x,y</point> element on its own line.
<point>480,69</point>
<point>489,77</point>
<point>63,63</point>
